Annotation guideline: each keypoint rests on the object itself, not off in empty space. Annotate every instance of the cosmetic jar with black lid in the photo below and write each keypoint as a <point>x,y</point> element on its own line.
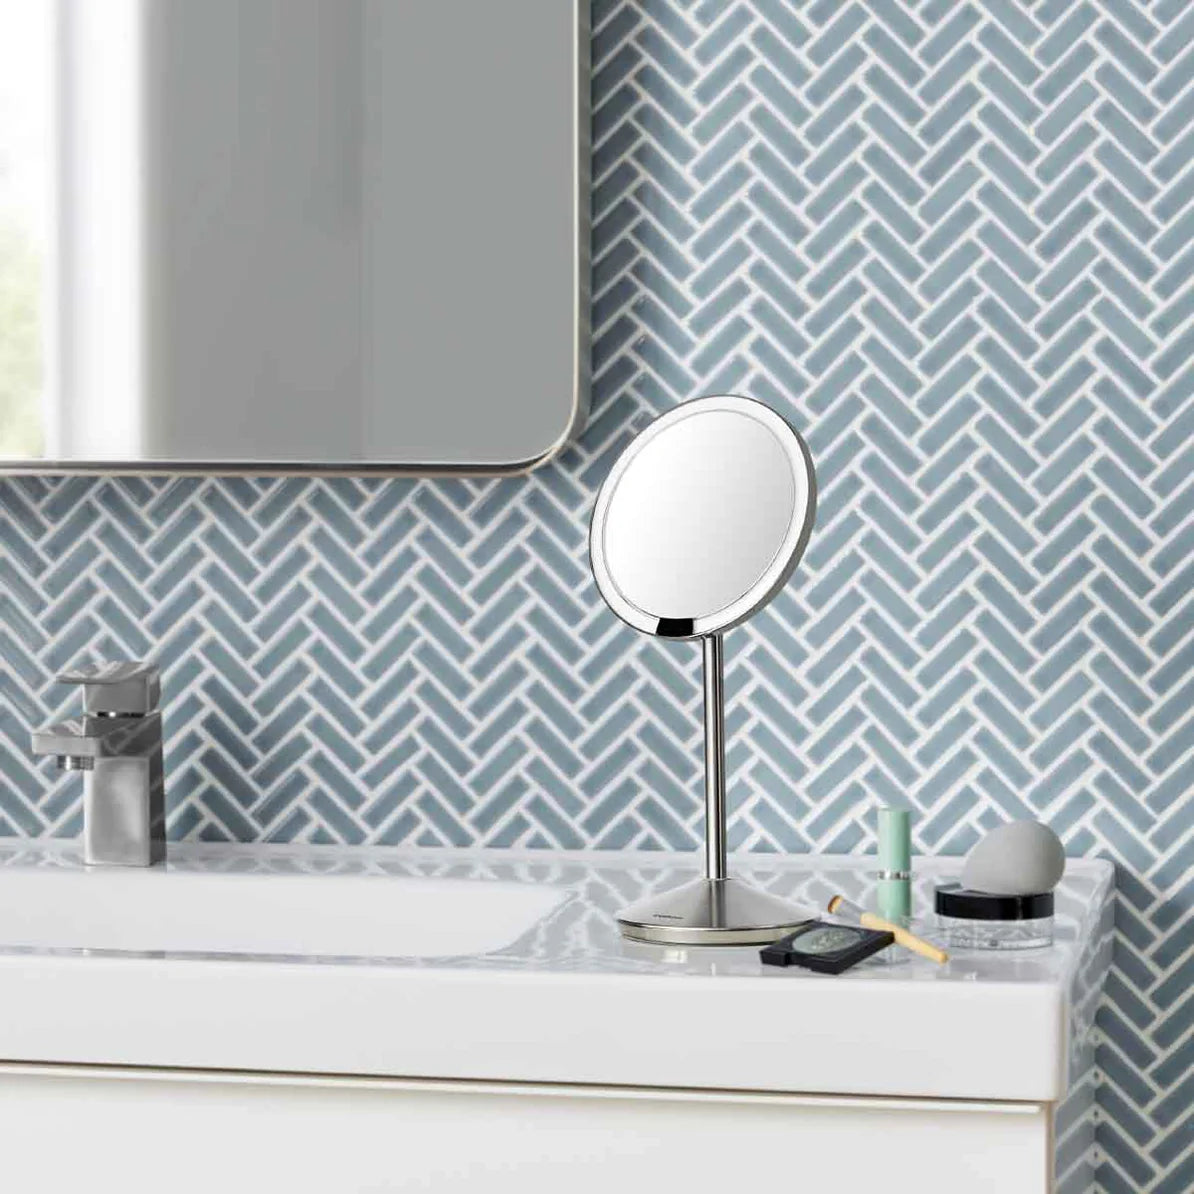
<point>980,920</point>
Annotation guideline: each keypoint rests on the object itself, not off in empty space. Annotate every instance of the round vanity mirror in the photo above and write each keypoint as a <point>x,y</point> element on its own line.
<point>703,518</point>
<point>698,525</point>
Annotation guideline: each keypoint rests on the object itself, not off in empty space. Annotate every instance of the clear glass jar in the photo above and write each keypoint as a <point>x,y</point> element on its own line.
<point>960,933</point>
<point>983,920</point>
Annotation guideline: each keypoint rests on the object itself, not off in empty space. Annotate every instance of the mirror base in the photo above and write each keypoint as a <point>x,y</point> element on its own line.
<point>711,912</point>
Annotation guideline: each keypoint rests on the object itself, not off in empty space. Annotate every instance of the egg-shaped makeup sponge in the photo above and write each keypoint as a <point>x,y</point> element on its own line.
<point>1020,858</point>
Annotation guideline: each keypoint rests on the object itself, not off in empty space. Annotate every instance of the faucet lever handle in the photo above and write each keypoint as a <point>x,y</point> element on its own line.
<point>117,687</point>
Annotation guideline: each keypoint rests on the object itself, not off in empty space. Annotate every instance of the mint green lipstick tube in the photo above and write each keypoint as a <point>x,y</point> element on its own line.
<point>894,892</point>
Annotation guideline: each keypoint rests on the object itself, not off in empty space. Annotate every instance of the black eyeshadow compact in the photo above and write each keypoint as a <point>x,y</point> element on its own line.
<point>825,947</point>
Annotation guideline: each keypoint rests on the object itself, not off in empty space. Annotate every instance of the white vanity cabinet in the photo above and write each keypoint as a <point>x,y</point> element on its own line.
<point>523,1046</point>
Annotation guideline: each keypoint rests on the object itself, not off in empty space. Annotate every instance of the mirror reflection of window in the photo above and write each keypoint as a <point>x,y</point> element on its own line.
<point>26,145</point>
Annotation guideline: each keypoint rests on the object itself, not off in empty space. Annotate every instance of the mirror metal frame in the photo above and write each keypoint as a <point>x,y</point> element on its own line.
<point>783,562</point>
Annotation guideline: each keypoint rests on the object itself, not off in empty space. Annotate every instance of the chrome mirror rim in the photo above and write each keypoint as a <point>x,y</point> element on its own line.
<point>786,557</point>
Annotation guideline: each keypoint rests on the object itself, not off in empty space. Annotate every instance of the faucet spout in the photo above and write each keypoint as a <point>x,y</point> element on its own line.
<point>97,737</point>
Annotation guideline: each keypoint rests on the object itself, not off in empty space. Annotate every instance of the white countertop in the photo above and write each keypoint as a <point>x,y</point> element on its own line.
<point>556,996</point>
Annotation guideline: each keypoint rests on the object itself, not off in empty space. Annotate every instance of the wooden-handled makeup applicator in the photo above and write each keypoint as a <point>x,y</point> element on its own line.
<point>840,906</point>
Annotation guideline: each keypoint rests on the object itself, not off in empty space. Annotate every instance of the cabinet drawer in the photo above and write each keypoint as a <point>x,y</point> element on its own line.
<point>136,1130</point>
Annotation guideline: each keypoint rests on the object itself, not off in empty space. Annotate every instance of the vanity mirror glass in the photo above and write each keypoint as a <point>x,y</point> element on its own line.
<point>307,235</point>
<point>698,525</point>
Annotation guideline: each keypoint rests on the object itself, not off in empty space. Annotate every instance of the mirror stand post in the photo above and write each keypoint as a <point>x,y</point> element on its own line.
<point>715,757</point>
<point>715,909</point>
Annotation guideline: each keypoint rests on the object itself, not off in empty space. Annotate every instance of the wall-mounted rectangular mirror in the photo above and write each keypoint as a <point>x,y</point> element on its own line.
<point>329,235</point>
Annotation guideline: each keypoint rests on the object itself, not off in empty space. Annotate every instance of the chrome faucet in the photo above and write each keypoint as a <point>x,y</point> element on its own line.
<point>117,744</point>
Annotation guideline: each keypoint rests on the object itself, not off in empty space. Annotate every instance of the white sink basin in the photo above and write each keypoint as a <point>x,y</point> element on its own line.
<point>196,912</point>
<point>507,966</point>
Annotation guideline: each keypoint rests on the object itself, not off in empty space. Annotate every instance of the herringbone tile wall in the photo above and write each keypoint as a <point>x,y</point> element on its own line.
<point>952,241</point>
